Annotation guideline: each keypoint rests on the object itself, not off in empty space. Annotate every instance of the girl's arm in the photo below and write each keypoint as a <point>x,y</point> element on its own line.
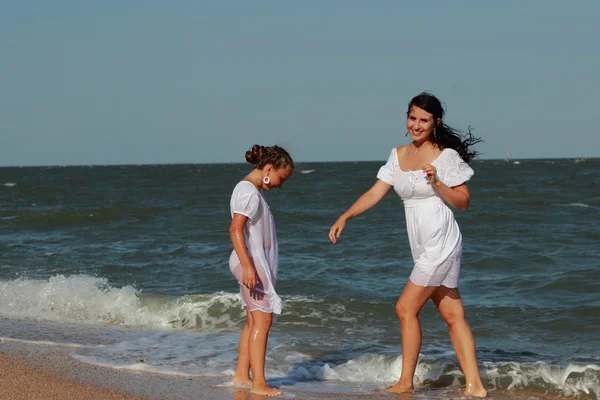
<point>236,232</point>
<point>364,203</point>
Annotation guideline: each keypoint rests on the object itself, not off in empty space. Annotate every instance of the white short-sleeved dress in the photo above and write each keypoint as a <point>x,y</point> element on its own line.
<point>434,236</point>
<point>261,242</point>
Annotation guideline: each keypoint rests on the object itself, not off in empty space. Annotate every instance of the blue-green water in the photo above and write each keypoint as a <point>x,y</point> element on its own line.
<point>130,262</point>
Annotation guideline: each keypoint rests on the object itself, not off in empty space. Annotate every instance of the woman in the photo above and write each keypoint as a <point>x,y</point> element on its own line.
<point>428,174</point>
<point>254,260</point>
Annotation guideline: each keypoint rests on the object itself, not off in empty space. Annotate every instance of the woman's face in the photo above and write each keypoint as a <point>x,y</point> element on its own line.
<point>277,176</point>
<point>420,124</point>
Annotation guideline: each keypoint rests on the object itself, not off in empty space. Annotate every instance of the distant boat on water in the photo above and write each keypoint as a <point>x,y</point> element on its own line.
<point>507,159</point>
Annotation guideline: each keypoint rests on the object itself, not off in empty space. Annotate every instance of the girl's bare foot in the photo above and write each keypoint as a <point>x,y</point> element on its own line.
<point>265,390</point>
<point>398,388</point>
<point>242,381</point>
<point>475,391</point>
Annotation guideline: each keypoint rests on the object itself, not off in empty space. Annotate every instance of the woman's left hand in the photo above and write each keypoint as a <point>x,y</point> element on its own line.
<point>431,172</point>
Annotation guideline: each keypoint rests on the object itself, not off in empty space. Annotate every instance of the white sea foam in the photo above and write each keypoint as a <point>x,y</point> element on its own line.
<point>213,353</point>
<point>581,205</point>
<point>91,300</point>
<point>307,171</point>
<point>10,184</point>
<point>41,342</point>
<point>578,205</point>
<point>568,380</point>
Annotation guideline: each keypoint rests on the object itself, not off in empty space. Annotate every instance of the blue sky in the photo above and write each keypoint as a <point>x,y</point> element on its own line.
<point>116,82</point>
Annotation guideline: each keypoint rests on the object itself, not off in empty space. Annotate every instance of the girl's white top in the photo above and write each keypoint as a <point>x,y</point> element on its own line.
<point>260,235</point>
<point>434,236</point>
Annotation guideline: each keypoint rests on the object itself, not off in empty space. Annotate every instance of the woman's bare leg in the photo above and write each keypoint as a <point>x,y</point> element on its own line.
<point>451,308</point>
<point>242,372</point>
<point>257,346</point>
<point>409,305</point>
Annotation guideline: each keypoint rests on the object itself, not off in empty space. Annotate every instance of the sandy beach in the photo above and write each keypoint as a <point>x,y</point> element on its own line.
<point>48,372</point>
<point>21,378</point>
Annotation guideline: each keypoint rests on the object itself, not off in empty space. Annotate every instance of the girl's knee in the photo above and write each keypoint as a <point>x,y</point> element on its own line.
<point>262,321</point>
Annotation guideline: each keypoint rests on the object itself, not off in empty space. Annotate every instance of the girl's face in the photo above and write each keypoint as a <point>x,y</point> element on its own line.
<point>277,176</point>
<point>420,124</point>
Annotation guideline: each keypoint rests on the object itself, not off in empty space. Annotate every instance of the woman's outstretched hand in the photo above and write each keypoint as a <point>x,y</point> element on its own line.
<point>336,229</point>
<point>249,277</point>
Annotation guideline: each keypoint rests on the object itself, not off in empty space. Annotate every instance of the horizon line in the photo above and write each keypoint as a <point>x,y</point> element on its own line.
<point>296,162</point>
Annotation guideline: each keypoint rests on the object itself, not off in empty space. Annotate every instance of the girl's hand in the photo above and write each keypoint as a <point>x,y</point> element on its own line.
<point>249,277</point>
<point>431,172</point>
<point>336,229</point>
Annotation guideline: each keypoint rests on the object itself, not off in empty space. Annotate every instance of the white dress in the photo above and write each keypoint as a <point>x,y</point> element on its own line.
<point>261,242</point>
<point>434,236</point>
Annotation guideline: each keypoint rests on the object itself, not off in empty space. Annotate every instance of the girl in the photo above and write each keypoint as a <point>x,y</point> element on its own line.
<point>254,260</point>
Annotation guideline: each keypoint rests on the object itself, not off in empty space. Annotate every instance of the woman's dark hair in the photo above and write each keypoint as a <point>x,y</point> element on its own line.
<point>274,155</point>
<point>445,136</point>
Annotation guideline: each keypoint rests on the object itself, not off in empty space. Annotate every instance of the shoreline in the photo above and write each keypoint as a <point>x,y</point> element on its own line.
<point>29,371</point>
<point>48,372</point>
<point>39,371</point>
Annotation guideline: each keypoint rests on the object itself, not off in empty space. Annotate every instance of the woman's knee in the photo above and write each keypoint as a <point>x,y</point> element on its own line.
<point>453,317</point>
<point>404,311</point>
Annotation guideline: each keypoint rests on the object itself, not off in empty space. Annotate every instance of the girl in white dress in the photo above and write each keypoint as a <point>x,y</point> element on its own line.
<point>255,260</point>
<point>429,174</point>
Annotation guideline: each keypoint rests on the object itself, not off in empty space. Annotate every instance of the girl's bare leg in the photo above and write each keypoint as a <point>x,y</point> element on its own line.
<point>409,305</point>
<point>451,308</point>
<point>242,372</point>
<point>257,346</point>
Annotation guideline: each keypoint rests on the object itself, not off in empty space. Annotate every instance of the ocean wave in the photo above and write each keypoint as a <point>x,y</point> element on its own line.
<point>534,377</point>
<point>582,205</point>
<point>10,184</point>
<point>91,300</point>
<point>307,171</point>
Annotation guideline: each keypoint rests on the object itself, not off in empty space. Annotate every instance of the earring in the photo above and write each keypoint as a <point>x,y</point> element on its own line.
<point>266,180</point>
<point>434,135</point>
<point>406,134</point>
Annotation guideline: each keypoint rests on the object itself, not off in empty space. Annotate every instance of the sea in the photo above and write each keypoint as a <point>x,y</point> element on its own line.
<point>127,266</point>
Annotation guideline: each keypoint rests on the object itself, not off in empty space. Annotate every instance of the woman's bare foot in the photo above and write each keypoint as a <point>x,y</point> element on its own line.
<point>265,390</point>
<point>398,388</point>
<point>475,391</point>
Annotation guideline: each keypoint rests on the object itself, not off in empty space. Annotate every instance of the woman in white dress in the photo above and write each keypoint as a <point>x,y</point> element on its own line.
<point>429,174</point>
<point>254,260</point>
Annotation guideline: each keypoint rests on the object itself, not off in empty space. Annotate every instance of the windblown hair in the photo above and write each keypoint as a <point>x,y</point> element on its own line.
<point>446,136</point>
<point>260,156</point>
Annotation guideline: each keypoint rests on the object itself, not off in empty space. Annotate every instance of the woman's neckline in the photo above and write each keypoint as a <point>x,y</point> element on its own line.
<point>413,170</point>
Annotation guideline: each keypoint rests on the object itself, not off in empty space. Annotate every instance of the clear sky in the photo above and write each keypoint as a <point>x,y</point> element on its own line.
<point>133,82</point>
